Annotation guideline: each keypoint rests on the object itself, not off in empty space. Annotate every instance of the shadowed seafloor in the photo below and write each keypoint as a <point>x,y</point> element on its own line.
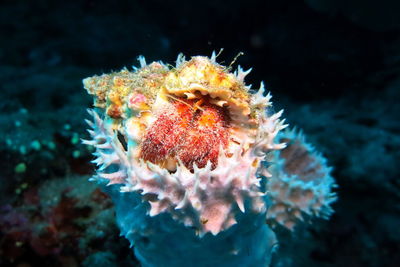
<point>334,68</point>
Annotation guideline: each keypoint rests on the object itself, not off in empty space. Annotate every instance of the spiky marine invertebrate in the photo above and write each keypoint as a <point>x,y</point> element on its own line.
<point>301,184</point>
<point>183,153</point>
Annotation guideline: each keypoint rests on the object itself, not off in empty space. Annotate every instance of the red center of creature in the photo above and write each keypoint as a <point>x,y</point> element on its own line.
<point>192,132</point>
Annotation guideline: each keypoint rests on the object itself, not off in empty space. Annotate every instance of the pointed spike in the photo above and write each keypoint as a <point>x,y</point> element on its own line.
<point>153,212</point>
<point>97,161</point>
<point>115,175</point>
<point>90,123</point>
<point>195,168</point>
<point>115,181</point>
<point>183,202</point>
<point>261,90</point>
<point>91,132</point>
<point>97,120</point>
<point>104,146</point>
<point>276,115</point>
<point>180,60</point>
<point>239,202</point>
<point>93,179</point>
<point>208,166</point>
<point>213,57</point>
<point>109,159</point>
<point>88,142</point>
<point>102,167</point>
<point>161,63</point>
<point>142,61</point>
<point>241,74</point>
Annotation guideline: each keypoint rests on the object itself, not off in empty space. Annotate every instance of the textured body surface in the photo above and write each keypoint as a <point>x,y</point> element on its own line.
<point>186,153</point>
<point>337,78</point>
<point>301,185</point>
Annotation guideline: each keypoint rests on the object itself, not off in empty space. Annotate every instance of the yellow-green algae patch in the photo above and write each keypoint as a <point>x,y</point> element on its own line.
<point>111,90</point>
<point>192,79</point>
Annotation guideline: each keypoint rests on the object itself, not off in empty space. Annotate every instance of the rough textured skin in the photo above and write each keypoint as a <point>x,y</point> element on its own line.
<point>184,154</point>
<point>301,184</point>
<point>188,132</point>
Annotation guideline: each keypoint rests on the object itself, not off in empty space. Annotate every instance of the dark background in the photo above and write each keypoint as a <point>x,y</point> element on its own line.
<point>333,65</point>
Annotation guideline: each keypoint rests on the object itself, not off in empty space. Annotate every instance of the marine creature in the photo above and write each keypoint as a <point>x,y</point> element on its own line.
<point>185,152</point>
<point>301,185</point>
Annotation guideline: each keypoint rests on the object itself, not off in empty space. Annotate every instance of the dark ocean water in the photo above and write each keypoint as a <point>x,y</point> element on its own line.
<point>334,66</point>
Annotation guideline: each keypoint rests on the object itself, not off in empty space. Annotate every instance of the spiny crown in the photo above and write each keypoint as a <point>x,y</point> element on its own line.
<point>181,114</point>
<point>190,140</point>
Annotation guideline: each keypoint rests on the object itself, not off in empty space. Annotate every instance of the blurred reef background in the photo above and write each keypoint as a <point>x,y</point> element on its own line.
<point>334,66</point>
